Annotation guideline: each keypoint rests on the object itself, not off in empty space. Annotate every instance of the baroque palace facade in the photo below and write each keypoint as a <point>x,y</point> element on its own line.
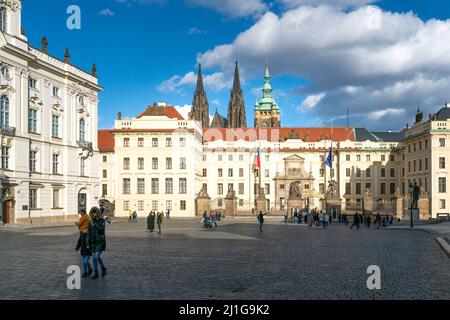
<point>158,161</point>
<point>48,125</point>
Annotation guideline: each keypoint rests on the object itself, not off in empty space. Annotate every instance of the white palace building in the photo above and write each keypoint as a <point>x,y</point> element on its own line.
<point>48,126</point>
<point>158,160</point>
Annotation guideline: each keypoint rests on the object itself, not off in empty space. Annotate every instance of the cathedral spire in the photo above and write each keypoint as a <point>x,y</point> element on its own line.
<point>236,108</point>
<point>200,106</point>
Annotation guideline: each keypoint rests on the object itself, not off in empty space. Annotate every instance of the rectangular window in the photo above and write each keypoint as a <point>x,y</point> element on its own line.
<point>367,157</point>
<point>420,165</point>
<point>358,157</point>
<point>267,187</point>
<point>154,142</point>
<point>441,163</point>
<point>126,205</point>
<point>204,172</point>
<point>56,199</point>
<point>168,163</point>
<point>383,172</point>
<point>347,172</point>
<point>155,185</point>
<point>368,173</point>
<point>415,165</point>
<point>230,173</point>
<point>169,205</point>
<point>220,173</point>
<point>392,173</point>
<point>55,164</point>
<point>126,163</point>
<point>220,188</point>
<point>230,157</point>
<point>104,190</point>
<point>56,92</point>
<point>241,202</point>
<point>267,173</point>
<point>241,188</point>
<point>126,186</point>
<point>5,157</point>
<point>82,167</point>
<point>140,205</point>
<point>169,186</point>
<point>241,157</point>
<point>33,199</point>
<point>126,142</point>
<point>219,157</point>
<point>241,172</point>
<point>358,188</point>
<point>168,142</point>
<point>182,142</point>
<point>155,163</point>
<point>183,205</point>
<point>55,126</point>
<point>392,188</point>
<point>442,204</point>
<point>183,185</point>
<point>383,188</point>
<point>392,158</point>
<point>205,157</point>
<point>140,142</point>
<point>32,120</point>
<point>141,186</point>
<point>140,163</point>
<point>105,158</point>
<point>426,144</point>
<point>33,155</point>
<point>347,157</point>
<point>383,157</point>
<point>155,205</point>
<point>358,172</point>
<point>442,142</point>
<point>182,163</point>
<point>426,163</point>
<point>442,185</point>
<point>32,83</point>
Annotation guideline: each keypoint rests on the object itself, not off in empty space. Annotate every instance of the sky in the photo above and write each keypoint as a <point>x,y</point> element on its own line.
<point>380,60</point>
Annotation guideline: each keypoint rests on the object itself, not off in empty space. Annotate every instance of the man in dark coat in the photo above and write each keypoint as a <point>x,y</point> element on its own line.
<point>261,220</point>
<point>355,221</point>
<point>159,220</point>
<point>151,222</point>
<point>96,240</point>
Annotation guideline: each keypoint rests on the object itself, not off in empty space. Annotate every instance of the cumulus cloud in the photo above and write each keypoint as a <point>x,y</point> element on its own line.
<point>364,59</point>
<point>107,12</point>
<point>184,110</point>
<point>176,84</point>
<point>232,8</point>
<point>333,3</point>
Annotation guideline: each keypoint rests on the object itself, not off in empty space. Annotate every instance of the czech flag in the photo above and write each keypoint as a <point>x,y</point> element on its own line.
<point>258,159</point>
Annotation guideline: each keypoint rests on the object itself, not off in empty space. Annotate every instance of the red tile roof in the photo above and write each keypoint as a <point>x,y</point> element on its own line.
<point>312,134</point>
<point>169,111</point>
<point>105,141</point>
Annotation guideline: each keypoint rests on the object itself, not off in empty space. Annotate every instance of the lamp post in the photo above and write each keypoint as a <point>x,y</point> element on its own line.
<point>411,191</point>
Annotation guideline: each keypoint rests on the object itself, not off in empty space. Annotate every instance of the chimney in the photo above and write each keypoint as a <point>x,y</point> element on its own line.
<point>119,115</point>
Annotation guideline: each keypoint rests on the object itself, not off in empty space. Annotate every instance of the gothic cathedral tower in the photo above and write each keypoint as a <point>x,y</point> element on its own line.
<point>267,111</point>
<point>200,106</point>
<point>236,108</point>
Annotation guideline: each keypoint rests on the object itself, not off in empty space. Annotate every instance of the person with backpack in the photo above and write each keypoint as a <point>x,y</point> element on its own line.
<point>96,240</point>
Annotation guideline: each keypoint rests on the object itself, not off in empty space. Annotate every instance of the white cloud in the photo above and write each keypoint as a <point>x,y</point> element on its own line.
<point>363,59</point>
<point>311,102</point>
<point>233,8</point>
<point>184,110</point>
<point>216,82</point>
<point>107,12</point>
<point>193,31</point>
<point>333,3</point>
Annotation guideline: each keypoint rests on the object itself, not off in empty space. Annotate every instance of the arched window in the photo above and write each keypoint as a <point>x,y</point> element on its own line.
<point>82,130</point>
<point>3,19</point>
<point>4,111</point>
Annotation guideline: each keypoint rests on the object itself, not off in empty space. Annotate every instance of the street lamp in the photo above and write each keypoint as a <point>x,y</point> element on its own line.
<point>411,191</point>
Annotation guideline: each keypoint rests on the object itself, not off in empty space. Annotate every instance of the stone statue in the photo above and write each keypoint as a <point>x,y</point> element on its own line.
<point>332,190</point>
<point>294,190</point>
<point>203,194</point>
<point>231,193</point>
<point>415,195</point>
<point>368,193</point>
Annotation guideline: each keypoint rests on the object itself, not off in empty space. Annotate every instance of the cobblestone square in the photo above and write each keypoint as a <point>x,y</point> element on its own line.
<point>233,262</point>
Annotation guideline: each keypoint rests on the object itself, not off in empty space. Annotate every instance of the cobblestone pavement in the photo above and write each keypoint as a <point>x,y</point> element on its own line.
<point>233,262</point>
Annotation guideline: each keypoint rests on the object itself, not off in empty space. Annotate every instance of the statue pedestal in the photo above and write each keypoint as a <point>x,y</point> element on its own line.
<point>230,207</point>
<point>424,205</point>
<point>261,202</point>
<point>399,207</point>
<point>203,204</point>
<point>294,203</point>
<point>415,212</point>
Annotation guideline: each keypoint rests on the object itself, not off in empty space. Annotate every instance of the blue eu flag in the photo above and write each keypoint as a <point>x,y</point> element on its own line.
<point>329,161</point>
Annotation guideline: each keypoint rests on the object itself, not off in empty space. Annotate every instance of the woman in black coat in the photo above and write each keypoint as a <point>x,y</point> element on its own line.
<point>96,240</point>
<point>151,222</point>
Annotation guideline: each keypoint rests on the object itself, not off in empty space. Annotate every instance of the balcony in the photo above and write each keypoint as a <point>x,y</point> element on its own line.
<point>7,130</point>
<point>85,145</point>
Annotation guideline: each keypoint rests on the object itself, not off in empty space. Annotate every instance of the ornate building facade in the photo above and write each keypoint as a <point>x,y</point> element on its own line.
<point>48,125</point>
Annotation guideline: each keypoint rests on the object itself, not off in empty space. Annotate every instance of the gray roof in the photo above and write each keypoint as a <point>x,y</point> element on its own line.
<point>362,134</point>
<point>443,114</point>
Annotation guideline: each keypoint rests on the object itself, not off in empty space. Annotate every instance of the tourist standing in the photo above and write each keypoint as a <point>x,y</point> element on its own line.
<point>151,222</point>
<point>96,240</point>
<point>378,220</point>
<point>130,216</point>
<point>134,216</point>
<point>261,220</point>
<point>322,219</point>
<point>368,220</point>
<point>85,254</point>
<point>310,220</point>
<point>159,220</point>
<point>82,224</point>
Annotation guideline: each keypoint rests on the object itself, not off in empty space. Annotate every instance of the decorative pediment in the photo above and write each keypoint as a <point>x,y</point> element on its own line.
<point>7,89</point>
<point>35,101</point>
<point>57,108</point>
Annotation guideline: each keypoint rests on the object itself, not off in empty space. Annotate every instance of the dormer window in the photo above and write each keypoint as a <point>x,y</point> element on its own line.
<point>3,19</point>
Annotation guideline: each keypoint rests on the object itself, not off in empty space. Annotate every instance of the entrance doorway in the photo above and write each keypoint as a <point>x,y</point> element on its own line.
<point>8,211</point>
<point>82,199</point>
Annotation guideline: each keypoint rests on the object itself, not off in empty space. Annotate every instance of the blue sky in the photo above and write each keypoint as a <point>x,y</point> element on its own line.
<point>146,51</point>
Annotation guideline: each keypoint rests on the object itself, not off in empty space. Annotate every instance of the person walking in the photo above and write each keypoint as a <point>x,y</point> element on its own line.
<point>310,220</point>
<point>285,219</point>
<point>322,221</point>
<point>261,220</point>
<point>82,224</point>
<point>86,255</point>
<point>151,222</point>
<point>368,220</point>
<point>130,216</point>
<point>159,220</point>
<point>134,216</point>
<point>96,240</point>
<point>355,221</point>
<point>378,220</point>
